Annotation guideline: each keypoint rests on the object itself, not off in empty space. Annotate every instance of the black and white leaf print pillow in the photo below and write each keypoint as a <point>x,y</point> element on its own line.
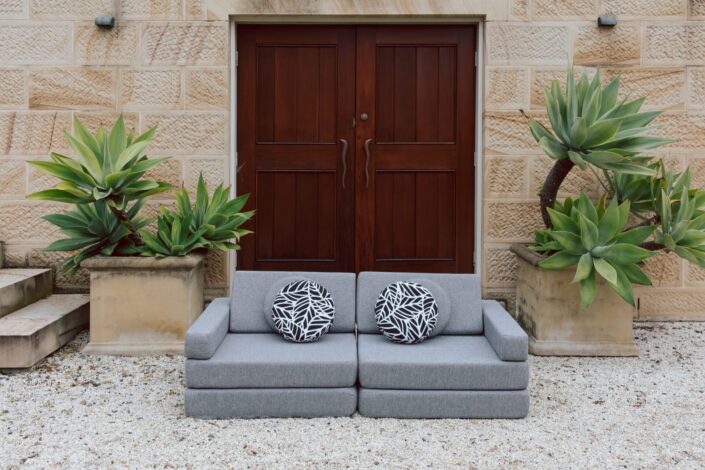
<point>406,312</point>
<point>303,311</point>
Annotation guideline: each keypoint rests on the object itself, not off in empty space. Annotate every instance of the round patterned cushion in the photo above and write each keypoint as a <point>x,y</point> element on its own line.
<point>442,301</point>
<point>406,312</point>
<point>302,311</point>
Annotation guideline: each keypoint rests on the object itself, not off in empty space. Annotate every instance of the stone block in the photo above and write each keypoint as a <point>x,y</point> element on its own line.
<point>696,87</point>
<point>697,171</point>
<point>216,269</point>
<point>91,120</point>
<point>664,269</point>
<point>196,10</point>
<point>21,287</point>
<point>519,9</point>
<point>667,304</point>
<point>214,170</point>
<point>506,88</point>
<point>193,43</point>
<point>170,171</point>
<point>508,133</point>
<point>576,182</point>
<point>101,46</point>
<point>12,88</point>
<point>74,282</point>
<point>34,132</point>
<point>506,177</point>
<point>207,89</point>
<point>38,181</point>
<point>696,9</point>
<point>150,9</point>
<point>618,45</point>
<point>188,133</point>
<point>695,275</point>
<point>12,179</point>
<point>674,44</point>
<point>70,9</point>
<point>664,88</point>
<point>13,9</point>
<point>500,267</point>
<point>643,8</point>
<point>80,88</point>
<point>526,44</point>
<point>150,89</point>
<point>22,221</point>
<point>512,221</point>
<point>687,129</point>
<point>565,9</point>
<point>33,44</point>
<point>543,77</point>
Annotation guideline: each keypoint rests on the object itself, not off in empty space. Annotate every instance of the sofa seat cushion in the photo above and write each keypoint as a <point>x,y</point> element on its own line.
<point>441,363</point>
<point>266,360</point>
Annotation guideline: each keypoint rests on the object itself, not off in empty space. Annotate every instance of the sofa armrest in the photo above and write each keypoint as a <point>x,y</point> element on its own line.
<point>208,331</point>
<point>505,335</point>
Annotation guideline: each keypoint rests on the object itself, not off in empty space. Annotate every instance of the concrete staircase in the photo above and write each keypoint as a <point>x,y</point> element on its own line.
<point>33,321</point>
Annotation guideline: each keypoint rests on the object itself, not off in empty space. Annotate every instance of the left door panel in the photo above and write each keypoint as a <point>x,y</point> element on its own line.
<point>296,103</point>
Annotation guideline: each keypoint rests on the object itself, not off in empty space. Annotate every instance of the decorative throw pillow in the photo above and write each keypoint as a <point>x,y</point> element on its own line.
<point>406,312</point>
<point>303,311</point>
<point>442,302</point>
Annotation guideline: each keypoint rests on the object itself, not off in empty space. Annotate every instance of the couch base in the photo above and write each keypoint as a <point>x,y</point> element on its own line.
<point>380,403</point>
<point>270,402</point>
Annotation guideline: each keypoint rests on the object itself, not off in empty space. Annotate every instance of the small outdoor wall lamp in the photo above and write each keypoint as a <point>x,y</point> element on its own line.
<point>607,21</point>
<point>105,21</point>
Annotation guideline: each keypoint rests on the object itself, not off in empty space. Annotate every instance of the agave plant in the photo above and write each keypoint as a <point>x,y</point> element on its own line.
<point>593,239</point>
<point>108,166</point>
<point>212,223</point>
<point>92,229</point>
<point>591,127</point>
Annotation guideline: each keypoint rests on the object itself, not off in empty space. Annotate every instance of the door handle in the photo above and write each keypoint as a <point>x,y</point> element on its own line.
<point>344,158</point>
<point>367,163</point>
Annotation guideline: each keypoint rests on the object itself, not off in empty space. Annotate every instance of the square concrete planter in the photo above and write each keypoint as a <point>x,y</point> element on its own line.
<point>548,308</point>
<point>142,306</point>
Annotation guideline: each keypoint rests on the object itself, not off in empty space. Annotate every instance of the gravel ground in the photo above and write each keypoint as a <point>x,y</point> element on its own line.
<point>76,411</point>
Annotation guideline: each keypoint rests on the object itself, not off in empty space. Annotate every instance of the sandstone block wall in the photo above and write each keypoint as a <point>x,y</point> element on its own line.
<point>658,50</point>
<point>167,63</point>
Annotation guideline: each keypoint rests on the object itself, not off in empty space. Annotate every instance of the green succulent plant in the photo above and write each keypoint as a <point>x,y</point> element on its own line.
<point>210,223</point>
<point>92,229</point>
<point>594,239</point>
<point>108,166</point>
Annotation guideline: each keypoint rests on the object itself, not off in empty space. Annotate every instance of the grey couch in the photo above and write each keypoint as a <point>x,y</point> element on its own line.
<point>475,368</point>
<point>238,366</point>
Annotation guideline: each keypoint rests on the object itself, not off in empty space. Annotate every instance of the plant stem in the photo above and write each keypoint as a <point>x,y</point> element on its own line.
<point>122,218</point>
<point>650,221</point>
<point>652,246</point>
<point>599,180</point>
<point>551,186</point>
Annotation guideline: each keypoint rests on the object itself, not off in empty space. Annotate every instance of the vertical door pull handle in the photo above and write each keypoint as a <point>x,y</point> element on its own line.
<point>344,158</point>
<point>367,163</point>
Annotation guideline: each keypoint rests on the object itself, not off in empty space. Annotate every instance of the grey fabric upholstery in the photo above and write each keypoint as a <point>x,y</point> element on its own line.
<point>441,363</point>
<point>507,338</point>
<point>207,332</point>
<point>250,288</point>
<point>463,291</point>
<point>266,360</point>
<point>443,403</point>
<point>270,402</point>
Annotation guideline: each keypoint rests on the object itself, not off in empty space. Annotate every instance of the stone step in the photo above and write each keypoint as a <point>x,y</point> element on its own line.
<point>20,287</point>
<point>33,332</point>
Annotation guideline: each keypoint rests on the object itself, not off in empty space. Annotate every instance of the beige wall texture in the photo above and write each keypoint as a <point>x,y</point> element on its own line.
<point>167,63</point>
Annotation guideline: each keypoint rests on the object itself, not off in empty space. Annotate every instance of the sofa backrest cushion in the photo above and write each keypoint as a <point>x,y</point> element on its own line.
<point>248,313</point>
<point>463,291</point>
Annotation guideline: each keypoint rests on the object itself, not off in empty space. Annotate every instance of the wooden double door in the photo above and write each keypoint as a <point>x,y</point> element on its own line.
<point>356,145</point>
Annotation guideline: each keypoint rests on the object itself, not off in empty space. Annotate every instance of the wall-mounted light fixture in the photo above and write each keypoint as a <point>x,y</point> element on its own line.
<point>105,21</point>
<point>607,21</point>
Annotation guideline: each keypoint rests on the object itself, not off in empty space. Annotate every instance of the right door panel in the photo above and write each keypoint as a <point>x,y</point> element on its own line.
<point>415,179</point>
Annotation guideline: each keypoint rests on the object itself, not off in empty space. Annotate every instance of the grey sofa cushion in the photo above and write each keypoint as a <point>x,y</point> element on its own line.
<point>266,360</point>
<point>270,402</point>
<point>505,335</point>
<point>443,403</point>
<point>441,363</point>
<point>207,332</point>
<point>249,289</point>
<point>463,290</point>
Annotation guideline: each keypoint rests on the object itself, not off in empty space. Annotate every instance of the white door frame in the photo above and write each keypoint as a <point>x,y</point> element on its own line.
<point>479,99</point>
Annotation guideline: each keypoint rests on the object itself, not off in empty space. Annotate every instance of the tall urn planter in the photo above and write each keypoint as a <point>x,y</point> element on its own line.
<point>143,305</point>
<point>548,308</point>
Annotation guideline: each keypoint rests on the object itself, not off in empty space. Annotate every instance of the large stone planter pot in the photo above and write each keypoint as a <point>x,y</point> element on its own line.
<point>548,308</point>
<point>142,306</point>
